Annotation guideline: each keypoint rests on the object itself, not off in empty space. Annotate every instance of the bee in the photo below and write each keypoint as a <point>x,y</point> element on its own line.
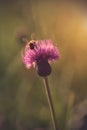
<point>31,44</point>
<point>23,39</point>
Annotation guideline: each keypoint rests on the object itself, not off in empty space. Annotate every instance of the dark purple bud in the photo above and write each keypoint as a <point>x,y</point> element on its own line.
<point>43,68</point>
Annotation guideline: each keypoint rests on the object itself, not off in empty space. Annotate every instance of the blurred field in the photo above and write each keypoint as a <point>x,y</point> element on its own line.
<point>23,102</point>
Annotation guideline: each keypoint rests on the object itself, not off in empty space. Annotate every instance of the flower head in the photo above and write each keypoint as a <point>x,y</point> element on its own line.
<point>44,51</point>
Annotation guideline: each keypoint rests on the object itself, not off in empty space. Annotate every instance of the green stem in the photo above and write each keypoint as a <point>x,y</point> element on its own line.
<point>50,103</point>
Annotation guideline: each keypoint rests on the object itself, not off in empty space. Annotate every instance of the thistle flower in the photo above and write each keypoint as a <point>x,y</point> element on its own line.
<point>39,54</point>
<point>43,53</point>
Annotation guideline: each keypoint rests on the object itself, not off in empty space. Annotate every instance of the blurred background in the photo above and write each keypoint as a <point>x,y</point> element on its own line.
<point>23,102</point>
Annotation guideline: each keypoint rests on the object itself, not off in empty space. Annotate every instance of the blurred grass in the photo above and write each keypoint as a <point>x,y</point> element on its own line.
<point>22,95</point>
